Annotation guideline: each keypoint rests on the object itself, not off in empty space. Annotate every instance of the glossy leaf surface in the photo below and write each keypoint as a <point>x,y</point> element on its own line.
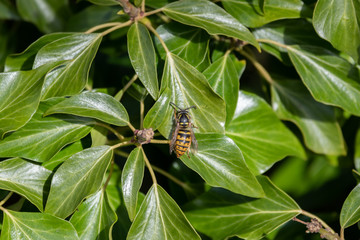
<point>142,55</point>
<point>160,218</point>
<point>96,105</point>
<point>94,218</point>
<point>209,16</point>
<point>41,138</point>
<point>221,164</point>
<point>24,178</point>
<point>80,176</point>
<point>29,226</point>
<point>260,135</point>
<point>221,214</point>
<point>350,212</point>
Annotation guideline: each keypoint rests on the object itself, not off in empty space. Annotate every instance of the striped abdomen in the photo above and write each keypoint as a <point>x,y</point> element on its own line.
<point>183,141</point>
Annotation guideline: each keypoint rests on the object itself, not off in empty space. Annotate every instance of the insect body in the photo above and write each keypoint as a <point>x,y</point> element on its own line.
<point>183,135</point>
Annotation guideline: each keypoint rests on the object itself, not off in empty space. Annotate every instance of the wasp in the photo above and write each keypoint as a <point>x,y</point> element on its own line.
<point>183,135</point>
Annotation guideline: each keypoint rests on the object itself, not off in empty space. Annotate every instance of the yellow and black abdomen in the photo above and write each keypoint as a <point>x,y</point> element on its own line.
<point>183,141</point>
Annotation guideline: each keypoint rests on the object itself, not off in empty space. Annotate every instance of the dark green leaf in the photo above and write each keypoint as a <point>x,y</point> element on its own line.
<point>41,138</point>
<point>24,178</point>
<point>96,105</point>
<point>29,226</point>
<point>357,151</point>
<point>8,11</point>
<point>78,177</point>
<point>338,22</point>
<point>94,218</point>
<point>260,135</point>
<point>136,90</point>
<point>322,134</point>
<point>220,162</point>
<point>209,16</point>
<point>350,211</point>
<point>159,218</point>
<point>131,180</point>
<point>221,214</point>
<point>142,55</point>
<point>104,2</point>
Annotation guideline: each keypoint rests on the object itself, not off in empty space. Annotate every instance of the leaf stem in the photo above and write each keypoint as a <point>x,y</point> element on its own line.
<point>342,233</point>
<point>105,25</point>
<point>122,144</point>
<point>142,109</point>
<point>120,25</point>
<point>119,95</point>
<point>6,198</point>
<point>131,127</point>
<point>116,133</point>
<point>148,25</point>
<point>310,215</point>
<point>160,141</point>
<point>152,12</point>
<point>121,153</point>
<point>149,167</point>
<point>273,42</point>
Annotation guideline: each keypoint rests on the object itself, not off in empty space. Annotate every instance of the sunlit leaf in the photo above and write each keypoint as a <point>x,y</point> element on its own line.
<point>350,211</point>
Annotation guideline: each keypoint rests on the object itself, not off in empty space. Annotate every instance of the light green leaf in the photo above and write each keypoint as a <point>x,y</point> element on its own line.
<point>160,218</point>
<point>209,16</point>
<point>254,14</point>
<point>131,180</point>
<point>96,105</point>
<point>221,214</point>
<point>350,211</point>
<point>322,134</point>
<point>260,135</point>
<point>30,226</point>
<point>330,78</point>
<point>191,44</point>
<point>20,96</point>
<point>94,218</point>
<point>41,138</point>
<point>142,55</point>
<point>220,163</point>
<point>78,177</point>
<point>223,77</point>
<point>69,79</point>
<point>24,178</point>
<point>338,22</point>
<point>189,87</point>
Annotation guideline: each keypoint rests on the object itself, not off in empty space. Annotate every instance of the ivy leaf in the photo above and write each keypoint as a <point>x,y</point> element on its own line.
<point>357,151</point>
<point>20,96</point>
<point>254,14</point>
<point>142,55</point>
<point>69,79</point>
<point>209,16</point>
<point>223,77</point>
<point>160,217</point>
<point>41,138</point>
<point>26,225</point>
<point>96,105</point>
<point>260,135</point>
<point>221,214</point>
<point>220,163</point>
<point>24,178</point>
<point>78,177</point>
<point>350,211</point>
<point>131,180</point>
<point>330,78</point>
<point>191,44</point>
<point>339,23</point>
<point>322,134</point>
<point>94,218</point>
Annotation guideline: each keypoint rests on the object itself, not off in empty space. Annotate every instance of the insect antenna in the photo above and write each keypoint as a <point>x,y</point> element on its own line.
<point>175,106</point>
<point>190,107</point>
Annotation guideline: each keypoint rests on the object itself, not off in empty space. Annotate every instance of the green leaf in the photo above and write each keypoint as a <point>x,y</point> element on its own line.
<point>20,96</point>
<point>357,151</point>
<point>260,135</point>
<point>220,163</point>
<point>142,55</point>
<point>131,180</point>
<point>8,11</point>
<point>94,218</point>
<point>350,211</point>
<point>160,218</point>
<point>339,23</point>
<point>209,16</point>
<point>104,2</point>
<point>78,50</point>
<point>189,87</point>
<point>223,77</point>
<point>78,177</point>
<point>41,138</point>
<point>191,44</point>
<point>96,105</point>
<point>24,178</point>
<point>322,134</point>
<point>47,15</point>
<point>221,214</point>
<point>253,14</point>
<point>330,78</point>
<point>28,226</point>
